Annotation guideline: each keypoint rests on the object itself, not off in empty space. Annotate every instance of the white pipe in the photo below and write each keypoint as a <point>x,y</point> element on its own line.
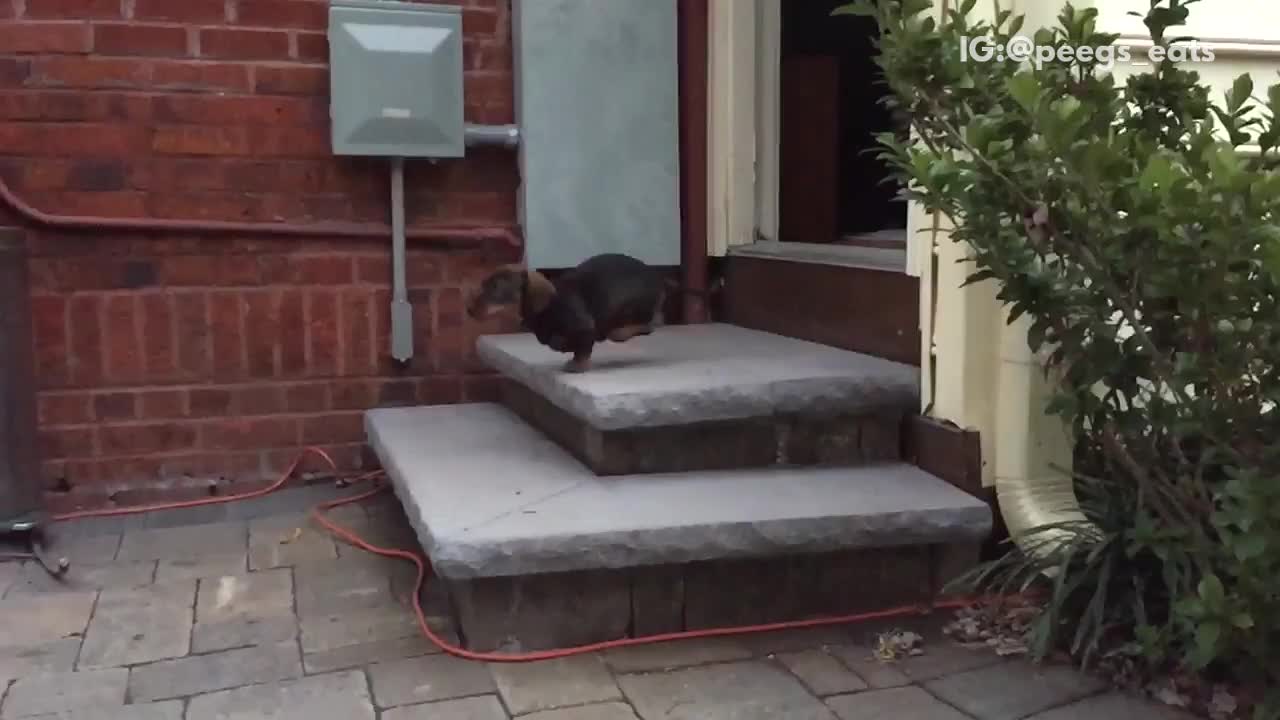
<point>401,310</point>
<point>507,136</point>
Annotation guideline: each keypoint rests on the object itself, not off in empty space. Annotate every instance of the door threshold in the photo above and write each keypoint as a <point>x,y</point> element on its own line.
<point>869,258</point>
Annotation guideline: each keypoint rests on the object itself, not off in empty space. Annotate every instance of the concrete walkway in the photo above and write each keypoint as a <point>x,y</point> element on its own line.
<point>248,611</point>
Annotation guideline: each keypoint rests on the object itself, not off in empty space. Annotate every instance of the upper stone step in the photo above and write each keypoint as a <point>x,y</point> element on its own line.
<point>685,374</point>
<point>489,496</point>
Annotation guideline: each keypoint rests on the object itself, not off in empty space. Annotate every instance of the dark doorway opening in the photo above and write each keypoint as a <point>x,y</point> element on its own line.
<point>832,186</point>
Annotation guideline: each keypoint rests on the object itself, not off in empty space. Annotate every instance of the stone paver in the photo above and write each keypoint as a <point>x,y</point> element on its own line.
<point>45,618</point>
<point>330,632</point>
<point>167,710</point>
<point>350,656</point>
<point>201,567</point>
<point>426,679</point>
<point>604,711</point>
<point>474,708</point>
<point>551,684</point>
<point>57,656</point>
<point>204,626</point>
<point>821,673</point>
<point>752,690</point>
<point>1113,706</point>
<point>184,543</point>
<point>138,626</point>
<point>340,696</point>
<point>85,577</point>
<point>671,655</point>
<point>288,541</point>
<point>1011,691</point>
<point>259,594</point>
<point>903,703</point>
<point>874,673</point>
<point>215,671</point>
<point>58,692</point>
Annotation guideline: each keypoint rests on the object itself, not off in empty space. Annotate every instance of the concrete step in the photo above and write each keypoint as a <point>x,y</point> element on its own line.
<point>711,396</point>
<point>513,523</point>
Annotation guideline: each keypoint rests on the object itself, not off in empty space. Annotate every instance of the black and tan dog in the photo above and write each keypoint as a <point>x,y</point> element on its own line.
<point>607,297</point>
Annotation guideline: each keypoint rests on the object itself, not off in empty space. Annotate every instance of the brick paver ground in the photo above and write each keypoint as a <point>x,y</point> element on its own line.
<point>250,611</point>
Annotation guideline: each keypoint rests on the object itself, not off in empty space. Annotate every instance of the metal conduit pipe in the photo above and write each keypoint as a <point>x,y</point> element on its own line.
<point>504,136</point>
<point>470,233</point>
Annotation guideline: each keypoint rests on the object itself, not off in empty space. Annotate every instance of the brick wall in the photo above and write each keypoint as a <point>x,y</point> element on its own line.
<point>172,363</point>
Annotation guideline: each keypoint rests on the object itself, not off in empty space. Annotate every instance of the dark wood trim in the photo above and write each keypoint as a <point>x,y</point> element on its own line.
<point>692,37</point>
<point>945,450</point>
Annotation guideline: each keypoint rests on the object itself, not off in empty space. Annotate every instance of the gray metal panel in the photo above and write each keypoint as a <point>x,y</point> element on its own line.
<point>597,103</point>
<point>396,79</point>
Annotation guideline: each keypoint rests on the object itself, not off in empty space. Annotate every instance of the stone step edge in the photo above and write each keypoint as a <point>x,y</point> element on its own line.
<point>879,388</point>
<point>514,544</point>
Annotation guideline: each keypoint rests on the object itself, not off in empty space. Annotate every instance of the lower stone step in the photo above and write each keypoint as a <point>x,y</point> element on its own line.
<point>541,552</point>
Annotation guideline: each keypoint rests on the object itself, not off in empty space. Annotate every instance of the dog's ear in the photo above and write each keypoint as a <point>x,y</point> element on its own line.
<point>539,290</point>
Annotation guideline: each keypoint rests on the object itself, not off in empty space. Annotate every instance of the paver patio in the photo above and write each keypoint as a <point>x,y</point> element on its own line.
<point>230,612</point>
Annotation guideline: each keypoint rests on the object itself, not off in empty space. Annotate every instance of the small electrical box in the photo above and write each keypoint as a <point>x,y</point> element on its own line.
<point>395,73</point>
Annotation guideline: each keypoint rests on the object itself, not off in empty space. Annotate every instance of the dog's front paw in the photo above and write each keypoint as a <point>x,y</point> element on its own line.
<point>578,365</point>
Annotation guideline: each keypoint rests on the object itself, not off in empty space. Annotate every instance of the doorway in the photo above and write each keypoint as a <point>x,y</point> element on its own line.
<point>832,186</point>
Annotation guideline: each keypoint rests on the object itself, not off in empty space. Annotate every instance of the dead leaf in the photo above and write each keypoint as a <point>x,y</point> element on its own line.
<point>291,537</point>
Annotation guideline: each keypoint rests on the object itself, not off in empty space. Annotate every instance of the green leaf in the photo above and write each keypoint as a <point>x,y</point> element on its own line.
<point>1212,593</point>
<point>1250,547</point>
<point>1208,635</point>
<point>860,8</point>
<point>1025,89</point>
<point>1241,89</point>
<point>1244,621</point>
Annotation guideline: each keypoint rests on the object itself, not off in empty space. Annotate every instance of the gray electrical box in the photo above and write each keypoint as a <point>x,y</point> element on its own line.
<point>395,73</point>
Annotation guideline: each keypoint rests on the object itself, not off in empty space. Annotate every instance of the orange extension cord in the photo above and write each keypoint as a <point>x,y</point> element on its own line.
<point>416,559</point>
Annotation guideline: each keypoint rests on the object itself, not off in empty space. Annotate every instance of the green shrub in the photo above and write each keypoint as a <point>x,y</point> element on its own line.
<point>1126,222</point>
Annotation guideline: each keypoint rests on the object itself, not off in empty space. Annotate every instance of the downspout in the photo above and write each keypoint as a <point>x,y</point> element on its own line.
<point>692,27</point>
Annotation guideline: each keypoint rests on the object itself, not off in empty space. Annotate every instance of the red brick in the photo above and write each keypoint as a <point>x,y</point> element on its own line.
<point>146,438</point>
<point>115,406</point>
<point>423,269</point>
<point>240,110</point>
<point>70,105</point>
<point>297,14</point>
<point>291,79</point>
<point>352,394</point>
<point>96,175</point>
<point>262,328</point>
<point>87,72</point>
<point>293,333</point>
<point>44,37</point>
<point>209,271</point>
<point>162,404</point>
<point>60,443</point>
<point>158,331</point>
<point>73,139</point>
<point>226,310</point>
<point>313,47</point>
<point>49,336</point>
<point>205,206</point>
<point>440,391</point>
<point>289,142</point>
<point>186,11</point>
<point>260,400</point>
<point>479,54</point>
<point>145,40</point>
<point>64,409</point>
<point>84,327</point>
<point>396,392</point>
<point>250,434</point>
<point>200,140</point>
<point>210,402</point>
<point>360,357</point>
<point>479,21</point>
<point>122,333</point>
<point>373,270</point>
<point>73,9</point>
<point>106,204</point>
<point>203,76</point>
<point>482,388</point>
<point>191,321</point>
<point>323,338</point>
<point>307,397</point>
<point>15,72</point>
<point>333,428</point>
<point>229,44</point>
